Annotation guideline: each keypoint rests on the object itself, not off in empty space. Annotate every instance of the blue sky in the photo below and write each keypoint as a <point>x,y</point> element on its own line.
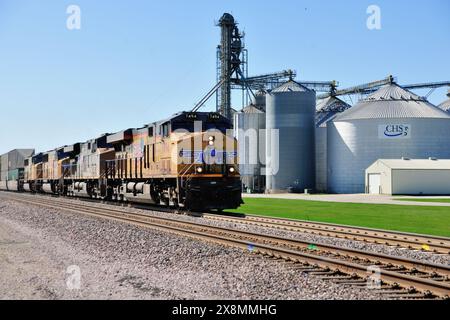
<point>134,62</point>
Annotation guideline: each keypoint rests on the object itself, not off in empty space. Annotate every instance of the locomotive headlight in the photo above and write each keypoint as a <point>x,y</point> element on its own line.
<point>211,138</point>
<point>199,169</point>
<point>211,141</point>
<point>232,169</point>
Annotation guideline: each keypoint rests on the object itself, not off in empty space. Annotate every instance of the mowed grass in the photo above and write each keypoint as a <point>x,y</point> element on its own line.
<point>424,200</point>
<point>416,219</point>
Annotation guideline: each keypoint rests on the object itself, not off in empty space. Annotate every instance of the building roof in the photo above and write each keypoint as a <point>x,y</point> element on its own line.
<point>392,101</point>
<point>290,86</point>
<point>420,164</point>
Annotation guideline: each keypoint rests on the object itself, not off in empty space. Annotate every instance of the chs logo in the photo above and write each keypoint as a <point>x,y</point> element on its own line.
<point>394,131</point>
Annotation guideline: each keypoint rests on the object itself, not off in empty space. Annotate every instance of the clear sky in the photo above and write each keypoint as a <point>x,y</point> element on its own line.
<point>135,62</point>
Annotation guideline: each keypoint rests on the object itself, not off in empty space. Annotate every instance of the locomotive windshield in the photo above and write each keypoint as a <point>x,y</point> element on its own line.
<point>189,126</point>
<point>209,121</point>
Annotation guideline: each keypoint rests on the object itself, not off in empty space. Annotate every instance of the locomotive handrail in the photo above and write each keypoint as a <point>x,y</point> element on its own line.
<point>185,171</point>
<point>106,172</point>
<point>183,174</point>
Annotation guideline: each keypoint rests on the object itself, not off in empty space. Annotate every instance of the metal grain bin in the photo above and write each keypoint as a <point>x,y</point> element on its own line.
<point>249,125</point>
<point>446,104</point>
<point>389,124</point>
<point>290,109</point>
<point>260,100</point>
<point>326,110</point>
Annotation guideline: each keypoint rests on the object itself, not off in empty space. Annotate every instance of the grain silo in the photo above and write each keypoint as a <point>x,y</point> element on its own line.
<point>446,104</point>
<point>391,123</point>
<point>249,125</point>
<point>326,110</point>
<point>290,109</point>
<point>260,100</point>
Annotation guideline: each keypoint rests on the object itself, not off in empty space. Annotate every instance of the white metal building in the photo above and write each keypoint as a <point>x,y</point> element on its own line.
<point>409,177</point>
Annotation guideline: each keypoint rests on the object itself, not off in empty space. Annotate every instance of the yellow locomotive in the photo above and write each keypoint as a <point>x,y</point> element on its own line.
<point>188,160</point>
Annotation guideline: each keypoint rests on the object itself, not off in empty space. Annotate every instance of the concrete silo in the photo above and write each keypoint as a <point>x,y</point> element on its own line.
<point>290,112</point>
<point>249,125</point>
<point>391,123</point>
<point>326,110</point>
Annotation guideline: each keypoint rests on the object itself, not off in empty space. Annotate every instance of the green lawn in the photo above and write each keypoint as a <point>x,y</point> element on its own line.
<point>423,200</point>
<point>417,219</point>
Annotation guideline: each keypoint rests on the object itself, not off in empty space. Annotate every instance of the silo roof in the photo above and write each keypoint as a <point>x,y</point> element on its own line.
<point>328,108</point>
<point>331,104</point>
<point>445,105</point>
<point>252,109</point>
<point>322,118</point>
<point>290,86</point>
<point>392,101</point>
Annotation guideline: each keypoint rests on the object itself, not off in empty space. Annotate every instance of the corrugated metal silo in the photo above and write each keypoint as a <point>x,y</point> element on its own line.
<point>290,109</point>
<point>389,124</point>
<point>249,125</point>
<point>260,100</point>
<point>446,104</point>
<point>326,110</point>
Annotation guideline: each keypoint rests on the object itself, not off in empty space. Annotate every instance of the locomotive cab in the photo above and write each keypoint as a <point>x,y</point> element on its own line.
<point>207,165</point>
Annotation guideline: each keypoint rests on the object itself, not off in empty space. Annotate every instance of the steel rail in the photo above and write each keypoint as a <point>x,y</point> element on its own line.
<point>376,258</point>
<point>407,240</point>
<point>440,288</point>
<point>400,239</point>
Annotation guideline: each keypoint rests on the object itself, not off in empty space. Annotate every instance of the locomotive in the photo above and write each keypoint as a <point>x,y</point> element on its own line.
<point>187,161</point>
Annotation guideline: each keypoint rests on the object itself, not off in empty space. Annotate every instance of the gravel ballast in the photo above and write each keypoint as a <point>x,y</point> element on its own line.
<point>42,249</point>
<point>443,259</point>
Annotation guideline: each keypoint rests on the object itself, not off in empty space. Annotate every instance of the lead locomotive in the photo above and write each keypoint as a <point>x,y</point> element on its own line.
<point>186,161</point>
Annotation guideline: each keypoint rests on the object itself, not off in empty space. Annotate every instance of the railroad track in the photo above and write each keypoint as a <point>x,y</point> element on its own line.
<point>399,277</point>
<point>412,241</point>
<point>440,245</point>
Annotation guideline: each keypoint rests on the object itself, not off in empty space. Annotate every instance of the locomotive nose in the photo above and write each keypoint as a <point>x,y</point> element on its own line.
<point>206,194</point>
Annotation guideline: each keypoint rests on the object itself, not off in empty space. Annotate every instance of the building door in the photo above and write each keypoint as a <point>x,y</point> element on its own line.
<point>374,183</point>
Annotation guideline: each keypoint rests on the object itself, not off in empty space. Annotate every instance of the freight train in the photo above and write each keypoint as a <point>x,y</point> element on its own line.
<point>187,161</point>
